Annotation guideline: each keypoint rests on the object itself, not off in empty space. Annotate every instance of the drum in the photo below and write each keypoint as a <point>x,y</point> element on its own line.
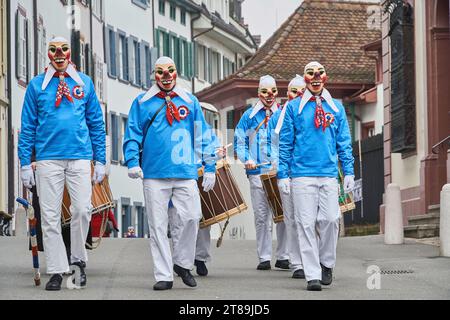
<point>270,184</point>
<point>346,202</point>
<point>101,200</point>
<point>224,201</point>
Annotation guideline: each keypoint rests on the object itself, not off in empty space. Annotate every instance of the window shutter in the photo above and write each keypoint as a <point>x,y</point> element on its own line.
<point>28,48</point>
<point>116,53</point>
<point>143,49</point>
<point>210,65</point>
<point>131,64</point>
<point>18,47</point>
<point>157,42</point>
<point>106,36</point>
<point>154,57</point>
<point>76,47</point>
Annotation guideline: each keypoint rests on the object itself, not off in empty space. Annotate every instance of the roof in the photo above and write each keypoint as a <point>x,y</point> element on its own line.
<point>217,20</point>
<point>329,31</point>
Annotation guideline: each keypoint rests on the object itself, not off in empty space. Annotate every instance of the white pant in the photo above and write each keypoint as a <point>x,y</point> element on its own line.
<point>51,177</point>
<point>293,243</point>
<point>316,204</point>
<point>264,223</point>
<point>187,211</point>
<point>203,244</point>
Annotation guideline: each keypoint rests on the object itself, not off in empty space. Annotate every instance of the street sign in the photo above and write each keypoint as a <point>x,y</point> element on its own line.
<point>357,191</point>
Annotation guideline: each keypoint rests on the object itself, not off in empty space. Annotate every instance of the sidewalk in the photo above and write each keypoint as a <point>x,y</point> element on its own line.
<point>122,269</point>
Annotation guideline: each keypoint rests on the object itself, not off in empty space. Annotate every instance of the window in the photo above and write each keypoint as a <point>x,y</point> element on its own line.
<point>97,6</point>
<point>114,138</point>
<point>99,76</point>
<point>147,60</point>
<point>202,69</point>
<point>42,46</point>
<point>183,17</point>
<point>141,3</point>
<point>123,56</point>
<point>135,61</point>
<point>110,47</point>
<point>215,67</point>
<point>228,67</point>
<point>173,12</point>
<point>123,128</point>
<point>126,219</point>
<point>162,7</point>
<point>22,47</point>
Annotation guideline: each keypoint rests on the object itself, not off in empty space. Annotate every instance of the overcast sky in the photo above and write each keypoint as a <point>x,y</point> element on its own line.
<point>264,17</point>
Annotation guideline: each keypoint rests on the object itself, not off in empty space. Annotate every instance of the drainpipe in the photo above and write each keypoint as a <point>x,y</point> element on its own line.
<point>35,35</point>
<point>10,130</point>
<point>91,36</point>
<point>153,24</point>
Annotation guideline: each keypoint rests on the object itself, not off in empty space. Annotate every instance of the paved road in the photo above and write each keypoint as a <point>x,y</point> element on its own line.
<point>122,270</point>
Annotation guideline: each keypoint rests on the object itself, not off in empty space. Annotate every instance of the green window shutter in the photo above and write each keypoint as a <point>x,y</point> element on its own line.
<point>157,44</point>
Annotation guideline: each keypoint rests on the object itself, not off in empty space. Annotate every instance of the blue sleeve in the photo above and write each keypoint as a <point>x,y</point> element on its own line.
<point>27,137</point>
<point>241,139</point>
<point>133,137</point>
<point>286,147</point>
<point>344,144</point>
<point>96,125</point>
<point>204,143</point>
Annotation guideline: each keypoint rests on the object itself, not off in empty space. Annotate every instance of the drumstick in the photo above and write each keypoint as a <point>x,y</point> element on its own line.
<point>263,164</point>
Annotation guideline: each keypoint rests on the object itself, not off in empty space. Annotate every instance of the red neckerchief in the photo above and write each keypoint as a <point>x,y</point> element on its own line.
<point>63,88</point>
<point>269,114</point>
<point>319,116</point>
<point>171,110</point>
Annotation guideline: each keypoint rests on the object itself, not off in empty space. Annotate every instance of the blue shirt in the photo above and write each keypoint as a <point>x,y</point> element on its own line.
<point>170,152</point>
<point>72,131</point>
<point>307,151</point>
<point>251,146</point>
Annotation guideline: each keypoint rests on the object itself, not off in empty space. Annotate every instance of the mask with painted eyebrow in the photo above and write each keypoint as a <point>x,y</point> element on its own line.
<point>268,95</point>
<point>166,76</point>
<point>59,54</point>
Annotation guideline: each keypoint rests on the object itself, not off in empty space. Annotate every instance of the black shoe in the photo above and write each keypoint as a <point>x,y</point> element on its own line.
<point>282,264</point>
<point>327,275</point>
<point>314,285</point>
<point>264,266</point>
<point>54,284</point>
<point>298,274</point>
<point>163,285</point>
<point>83,279</point>
<point>202,271</point>
<point>186,276</point>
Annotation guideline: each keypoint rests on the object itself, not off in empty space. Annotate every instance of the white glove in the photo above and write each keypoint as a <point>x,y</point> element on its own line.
<point>285,186</point>
<point>99,172</point>
<point>250,165</point>
<point>209,181</point>
<point>27,176</point>
<point>135,173</point>
<point>349,183</point>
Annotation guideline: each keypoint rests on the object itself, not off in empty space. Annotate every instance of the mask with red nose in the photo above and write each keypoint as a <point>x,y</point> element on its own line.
<point>59,54</point>
<point>315,77</point>
<point>268,91</point>
<point>165,74</point>
<point>296,87</point>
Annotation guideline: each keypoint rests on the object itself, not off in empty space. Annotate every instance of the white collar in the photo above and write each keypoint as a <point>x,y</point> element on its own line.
<point>281,119</point>
<point>259,105</point>
<point>154,90</point>
<point>71,71</point>
<point>325,94</point>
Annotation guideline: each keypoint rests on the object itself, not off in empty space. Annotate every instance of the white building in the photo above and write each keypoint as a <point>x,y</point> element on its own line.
<point>128,39</point>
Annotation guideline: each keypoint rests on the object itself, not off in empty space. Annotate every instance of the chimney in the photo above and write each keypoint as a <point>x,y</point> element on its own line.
<point>257,39</point>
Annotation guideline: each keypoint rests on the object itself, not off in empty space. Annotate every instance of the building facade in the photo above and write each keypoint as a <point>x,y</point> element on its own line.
<point>417,101</point>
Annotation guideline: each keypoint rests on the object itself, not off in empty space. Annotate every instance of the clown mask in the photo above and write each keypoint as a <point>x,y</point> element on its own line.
<point>268,95</point>
<point>59,54</point>
<point>166,74</point>
<point>315,77</point>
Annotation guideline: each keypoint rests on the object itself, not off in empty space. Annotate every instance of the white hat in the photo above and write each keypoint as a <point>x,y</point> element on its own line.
<point>313,64</point>
<point>164,60</point>
<point>59,39</point>
<point>267,81</point>
<point>298,81</point>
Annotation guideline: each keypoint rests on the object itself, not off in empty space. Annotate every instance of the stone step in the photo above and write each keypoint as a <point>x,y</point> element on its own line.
<point>422,231</point>
<point>434,209</point>
<point>422,219</point>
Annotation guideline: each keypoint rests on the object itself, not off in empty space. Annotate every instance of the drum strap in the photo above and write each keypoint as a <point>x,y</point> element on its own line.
<point>147,127</point>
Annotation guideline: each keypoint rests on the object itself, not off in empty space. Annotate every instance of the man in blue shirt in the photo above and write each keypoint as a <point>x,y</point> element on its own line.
<point>253,149</point>
<point>168,125</point>
<point>314,134</point>
<point>295,89</point>
<point>62,122</point>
